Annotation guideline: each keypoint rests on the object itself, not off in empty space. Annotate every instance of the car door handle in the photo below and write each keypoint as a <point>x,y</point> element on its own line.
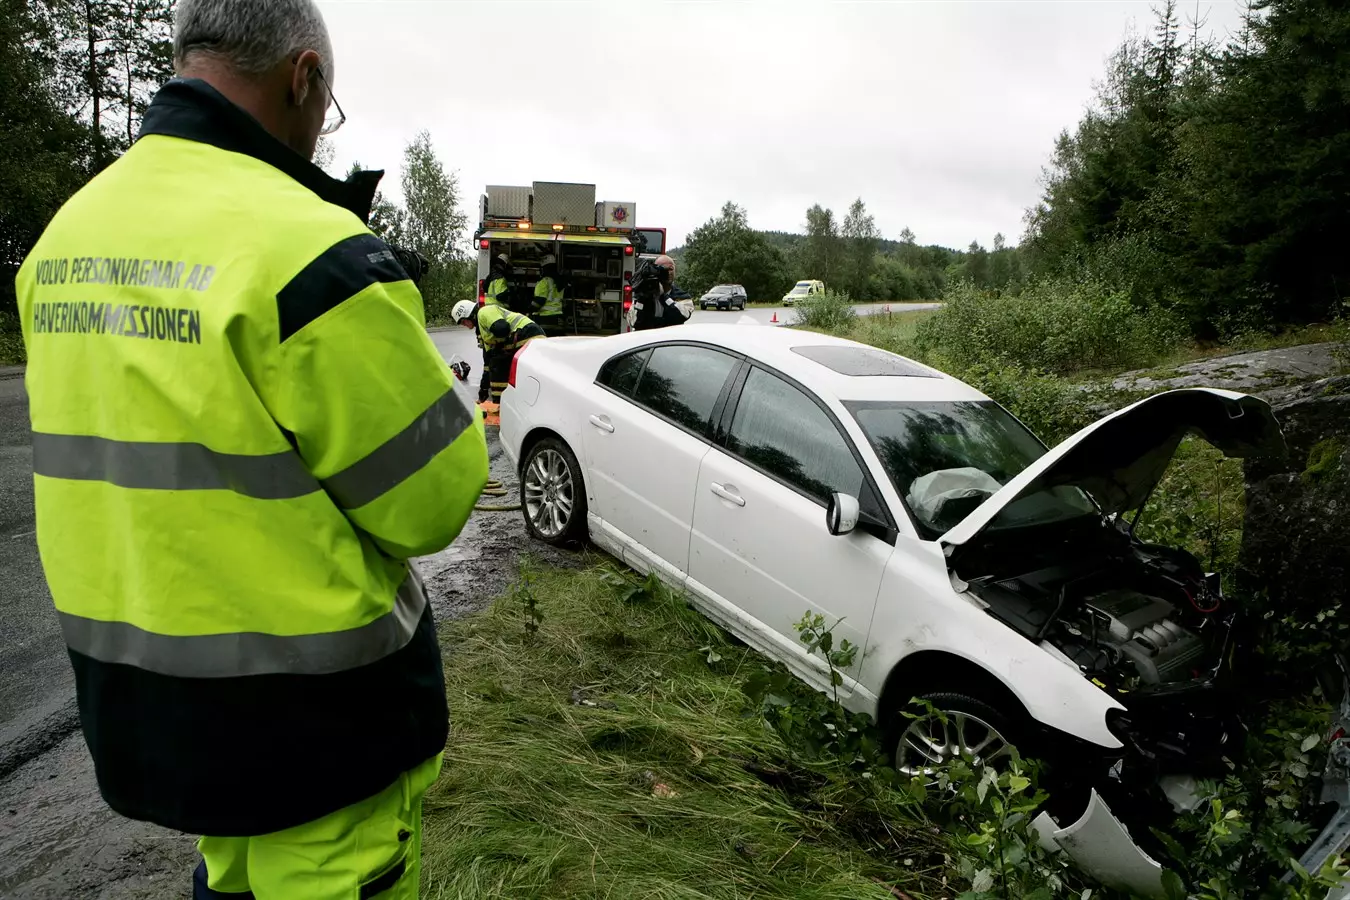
<point>603,423</point>
<point>728,493</point>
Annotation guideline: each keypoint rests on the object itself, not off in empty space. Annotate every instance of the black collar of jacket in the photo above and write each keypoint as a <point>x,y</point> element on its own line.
<point>190,108</point>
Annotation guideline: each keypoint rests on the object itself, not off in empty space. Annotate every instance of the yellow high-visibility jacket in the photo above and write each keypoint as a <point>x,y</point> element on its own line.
<point>497,289</point>
<point>500,330</point>
<point>241,434</point>
<point>548,297</point>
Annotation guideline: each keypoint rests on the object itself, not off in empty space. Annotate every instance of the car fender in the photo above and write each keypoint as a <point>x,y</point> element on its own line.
<point>919,610</point>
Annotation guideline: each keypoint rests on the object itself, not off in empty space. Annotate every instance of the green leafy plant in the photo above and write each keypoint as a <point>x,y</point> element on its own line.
<point>819,639</point>
<point>523,593</point>
<point>828,310</point>
<point>810,720</point>
<point>1058,325</point>
<point>1246,834</point>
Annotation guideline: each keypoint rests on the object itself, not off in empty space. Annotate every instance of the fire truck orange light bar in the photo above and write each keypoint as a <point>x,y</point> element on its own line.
<point>557,228</point>
<point>522,225</point>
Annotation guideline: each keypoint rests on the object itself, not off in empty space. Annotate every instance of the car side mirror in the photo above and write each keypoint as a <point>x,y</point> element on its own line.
<point>841,517</point>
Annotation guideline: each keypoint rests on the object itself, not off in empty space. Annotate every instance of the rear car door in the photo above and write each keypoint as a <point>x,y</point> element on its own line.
<point>649,426</point>
<point>760,551</point>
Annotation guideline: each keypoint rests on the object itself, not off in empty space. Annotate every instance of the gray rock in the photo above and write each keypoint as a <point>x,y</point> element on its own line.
<point>1258,372</point>
<point>1296,533</point>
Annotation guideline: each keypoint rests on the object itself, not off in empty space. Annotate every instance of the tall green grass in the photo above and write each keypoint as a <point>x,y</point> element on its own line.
<point>663,789</point>
<point>1057,326</point>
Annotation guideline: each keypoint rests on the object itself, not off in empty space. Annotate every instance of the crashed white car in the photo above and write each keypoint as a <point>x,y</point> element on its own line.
<point>769,472</point>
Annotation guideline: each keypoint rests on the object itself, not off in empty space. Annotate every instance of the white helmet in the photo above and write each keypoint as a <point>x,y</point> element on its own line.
<point>463,310</point>
<point>549,260</point>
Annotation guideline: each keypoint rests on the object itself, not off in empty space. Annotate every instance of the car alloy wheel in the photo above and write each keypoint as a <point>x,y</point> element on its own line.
<point>550,499</point>
<point>936,738</point>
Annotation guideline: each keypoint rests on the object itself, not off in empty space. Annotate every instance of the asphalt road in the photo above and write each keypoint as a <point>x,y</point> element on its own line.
<point>36,687</point>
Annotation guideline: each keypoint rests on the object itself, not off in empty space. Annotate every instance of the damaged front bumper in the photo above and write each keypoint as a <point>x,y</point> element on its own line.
<point>1173,735</point>
<point>1100,845</point>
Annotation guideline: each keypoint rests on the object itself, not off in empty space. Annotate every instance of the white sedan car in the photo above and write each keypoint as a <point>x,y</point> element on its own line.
<point>768,472</point>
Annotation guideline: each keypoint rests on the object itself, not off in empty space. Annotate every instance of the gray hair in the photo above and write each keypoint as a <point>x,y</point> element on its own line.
<point>251,36</point>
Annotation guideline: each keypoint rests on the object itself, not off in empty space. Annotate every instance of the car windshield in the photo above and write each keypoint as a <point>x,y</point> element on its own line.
<point>722,289</point>
<point>946,458</point>
<point>801,289</point>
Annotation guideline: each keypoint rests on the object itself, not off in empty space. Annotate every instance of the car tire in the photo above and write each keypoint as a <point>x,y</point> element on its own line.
<point>973,726</point>
<point>553,494</point>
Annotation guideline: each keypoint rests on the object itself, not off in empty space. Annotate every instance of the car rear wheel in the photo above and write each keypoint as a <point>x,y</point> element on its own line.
<point>958,725</point>
<point>553,493</point>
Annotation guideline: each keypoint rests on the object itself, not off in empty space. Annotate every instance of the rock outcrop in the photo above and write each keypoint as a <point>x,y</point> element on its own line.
<point>1296,534</point>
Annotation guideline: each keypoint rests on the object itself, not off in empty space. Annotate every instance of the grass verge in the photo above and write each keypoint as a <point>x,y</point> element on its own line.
<point>604,755</point>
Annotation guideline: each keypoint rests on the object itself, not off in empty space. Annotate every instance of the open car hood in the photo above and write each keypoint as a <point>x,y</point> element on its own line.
<point>1118,460</point>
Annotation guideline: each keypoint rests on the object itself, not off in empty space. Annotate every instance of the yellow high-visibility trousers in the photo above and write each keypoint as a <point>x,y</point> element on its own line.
<point>371,850</point>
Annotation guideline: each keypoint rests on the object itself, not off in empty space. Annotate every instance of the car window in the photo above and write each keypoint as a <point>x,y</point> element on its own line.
<point>945,458</point>
<point>781,430</point>
<point>682,383</point>
<point>620,374</point>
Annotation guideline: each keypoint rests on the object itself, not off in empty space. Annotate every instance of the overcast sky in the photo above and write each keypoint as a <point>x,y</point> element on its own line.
<point>939,114</point>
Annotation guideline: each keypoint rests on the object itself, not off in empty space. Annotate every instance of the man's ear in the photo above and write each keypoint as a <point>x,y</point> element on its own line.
<point>303,79</point>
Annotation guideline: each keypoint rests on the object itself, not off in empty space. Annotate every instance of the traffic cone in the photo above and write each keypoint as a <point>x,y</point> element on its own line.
<point>774,320</point>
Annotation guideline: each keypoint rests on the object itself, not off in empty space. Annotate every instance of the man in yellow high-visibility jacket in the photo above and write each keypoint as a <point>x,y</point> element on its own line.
<point>241,435</point>
<point>498,289</point>
<point>548,296</point>
<point>501,332</point>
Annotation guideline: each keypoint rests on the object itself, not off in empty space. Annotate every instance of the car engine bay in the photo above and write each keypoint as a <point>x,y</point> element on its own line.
<point>1129,616</point>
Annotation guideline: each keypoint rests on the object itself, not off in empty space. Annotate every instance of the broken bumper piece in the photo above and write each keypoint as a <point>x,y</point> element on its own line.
<point>1101,847</point>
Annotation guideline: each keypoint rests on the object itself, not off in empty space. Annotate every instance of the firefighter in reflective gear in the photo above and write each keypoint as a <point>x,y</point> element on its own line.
<point>498,290</point>
<point>242,435</point>
<point>502,333</point>
<point>548,297</point>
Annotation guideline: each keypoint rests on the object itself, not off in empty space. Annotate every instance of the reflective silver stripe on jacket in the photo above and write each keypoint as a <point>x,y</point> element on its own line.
<point>405,454</point>
<point>171,466</point>
<point>250,653</point>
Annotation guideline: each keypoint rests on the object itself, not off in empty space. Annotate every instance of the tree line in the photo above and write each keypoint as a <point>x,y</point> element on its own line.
<point>1212,180</point>
<point>75,79</point>
<point>849,256</point>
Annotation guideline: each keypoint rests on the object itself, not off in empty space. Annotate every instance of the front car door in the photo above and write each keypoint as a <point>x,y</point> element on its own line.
<point>760,553</point>
<point>649,423</point>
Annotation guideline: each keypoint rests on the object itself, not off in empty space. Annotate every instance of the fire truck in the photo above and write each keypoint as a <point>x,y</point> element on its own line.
<point>596,246</point>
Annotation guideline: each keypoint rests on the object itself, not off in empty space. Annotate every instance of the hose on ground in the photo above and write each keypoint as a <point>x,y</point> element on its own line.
<point>496,489</point>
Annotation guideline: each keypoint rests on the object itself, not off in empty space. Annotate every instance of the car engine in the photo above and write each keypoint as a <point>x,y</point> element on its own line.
<point>1127,629</point>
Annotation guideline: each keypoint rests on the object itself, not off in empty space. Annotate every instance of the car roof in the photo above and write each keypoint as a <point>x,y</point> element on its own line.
<point>780,348</point>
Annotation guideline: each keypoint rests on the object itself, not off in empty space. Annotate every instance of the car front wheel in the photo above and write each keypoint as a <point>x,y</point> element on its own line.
<point>553,493</point>
<point>957,725</point>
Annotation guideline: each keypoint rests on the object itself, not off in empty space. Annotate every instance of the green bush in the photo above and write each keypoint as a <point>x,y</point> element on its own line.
<point>1055,325</point>
<point>830,310</point>
<point>11,341</point>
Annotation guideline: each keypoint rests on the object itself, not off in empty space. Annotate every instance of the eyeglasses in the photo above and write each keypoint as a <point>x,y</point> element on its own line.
<point>331,123</point>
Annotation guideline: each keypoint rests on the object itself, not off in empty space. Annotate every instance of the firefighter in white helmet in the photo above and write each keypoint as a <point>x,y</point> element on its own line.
<point>501,333</point>
<point>548,296</point>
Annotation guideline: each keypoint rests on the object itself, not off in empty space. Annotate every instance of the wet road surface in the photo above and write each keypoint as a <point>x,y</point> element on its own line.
<point>37,706</point>
<point>57,838</point>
